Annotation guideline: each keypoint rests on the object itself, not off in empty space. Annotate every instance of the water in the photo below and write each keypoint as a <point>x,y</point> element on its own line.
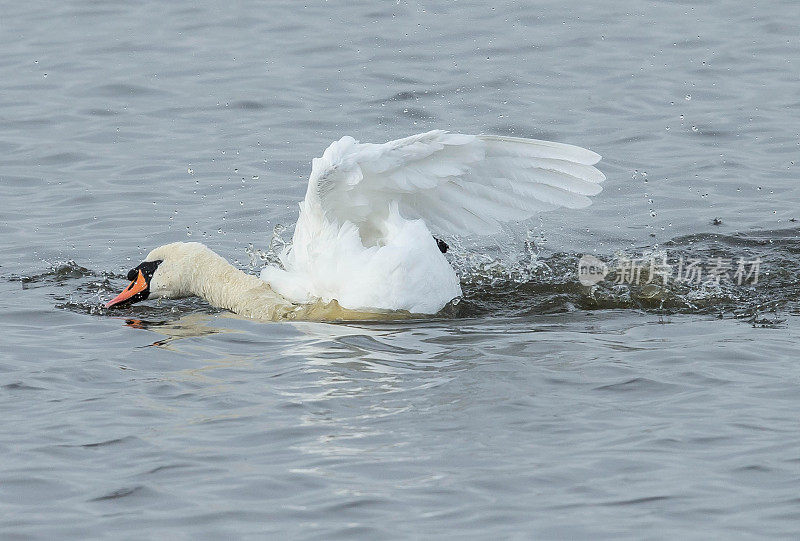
<point>535,407</point>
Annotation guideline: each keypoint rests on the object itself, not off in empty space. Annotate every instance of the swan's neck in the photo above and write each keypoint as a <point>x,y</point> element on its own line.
<point>224,286</point>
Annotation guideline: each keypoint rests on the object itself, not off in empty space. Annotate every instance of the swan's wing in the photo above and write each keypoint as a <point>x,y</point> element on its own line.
<point>459,184</point>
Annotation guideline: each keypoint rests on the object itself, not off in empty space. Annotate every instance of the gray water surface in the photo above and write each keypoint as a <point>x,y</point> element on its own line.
<point>534,408</point>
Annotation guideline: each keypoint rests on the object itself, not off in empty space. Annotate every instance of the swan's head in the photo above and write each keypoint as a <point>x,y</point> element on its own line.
<point>166,272</point>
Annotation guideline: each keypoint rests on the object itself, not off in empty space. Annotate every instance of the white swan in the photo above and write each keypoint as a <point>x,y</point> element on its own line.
<point>363,244</point>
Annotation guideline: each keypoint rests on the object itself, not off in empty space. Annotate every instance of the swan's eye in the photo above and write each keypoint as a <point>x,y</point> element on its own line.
<point>148,268</point>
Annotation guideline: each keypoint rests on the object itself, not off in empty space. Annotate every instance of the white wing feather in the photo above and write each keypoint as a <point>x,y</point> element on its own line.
<point>458,184</point>
<point>357,239</point>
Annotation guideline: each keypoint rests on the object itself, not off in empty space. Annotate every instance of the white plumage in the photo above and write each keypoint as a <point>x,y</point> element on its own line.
<point>364,236</point>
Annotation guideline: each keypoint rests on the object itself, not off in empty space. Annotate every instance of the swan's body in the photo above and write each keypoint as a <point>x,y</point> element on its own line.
<point>404,270</point>
<point>364,237</point>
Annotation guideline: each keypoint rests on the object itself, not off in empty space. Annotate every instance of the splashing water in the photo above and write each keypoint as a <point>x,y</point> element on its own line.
<point>521,280</point>
<point>529,282</point>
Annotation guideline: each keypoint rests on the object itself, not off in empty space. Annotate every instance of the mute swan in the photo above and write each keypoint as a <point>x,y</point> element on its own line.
<point>363,244</point>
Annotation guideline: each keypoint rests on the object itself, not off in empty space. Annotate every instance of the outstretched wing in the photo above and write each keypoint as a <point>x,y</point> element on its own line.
<point>458,184</point>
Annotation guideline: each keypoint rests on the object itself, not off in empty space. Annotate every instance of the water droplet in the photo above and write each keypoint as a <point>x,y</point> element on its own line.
<point>688,97</point>
<point>190,171</point>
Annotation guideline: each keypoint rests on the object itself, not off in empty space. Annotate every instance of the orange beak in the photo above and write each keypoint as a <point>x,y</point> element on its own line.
<point>137,286</point>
